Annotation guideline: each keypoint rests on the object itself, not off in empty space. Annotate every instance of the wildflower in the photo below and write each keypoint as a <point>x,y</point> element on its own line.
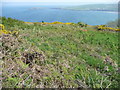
<point>2,27</point>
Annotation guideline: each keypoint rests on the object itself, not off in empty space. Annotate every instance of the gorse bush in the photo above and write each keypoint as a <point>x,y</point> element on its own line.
<point>104,27</point>
<point>82,24</point>
<point>3,31</point>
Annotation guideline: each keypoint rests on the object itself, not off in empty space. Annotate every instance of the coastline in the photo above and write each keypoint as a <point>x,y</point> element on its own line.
<point>110,11</point>
<point>89,10</point>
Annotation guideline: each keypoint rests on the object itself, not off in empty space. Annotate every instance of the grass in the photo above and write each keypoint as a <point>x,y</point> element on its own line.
<point>73,58</point>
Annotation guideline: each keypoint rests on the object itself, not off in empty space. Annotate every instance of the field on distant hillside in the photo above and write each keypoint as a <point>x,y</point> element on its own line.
<point>95,7</point>
<point>58,55</point>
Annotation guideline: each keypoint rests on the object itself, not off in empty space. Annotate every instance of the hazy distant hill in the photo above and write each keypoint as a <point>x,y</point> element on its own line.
<point>95,7</point>
<point>114,24</point>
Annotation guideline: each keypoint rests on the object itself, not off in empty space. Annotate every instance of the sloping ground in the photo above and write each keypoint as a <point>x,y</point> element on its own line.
<point>95,7</point>
<point>58,56</point>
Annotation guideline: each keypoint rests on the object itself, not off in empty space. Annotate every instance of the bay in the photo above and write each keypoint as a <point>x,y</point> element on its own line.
<point>46,13</point>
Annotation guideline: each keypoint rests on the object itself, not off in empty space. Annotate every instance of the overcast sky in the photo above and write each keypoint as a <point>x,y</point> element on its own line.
<point>60,1</point>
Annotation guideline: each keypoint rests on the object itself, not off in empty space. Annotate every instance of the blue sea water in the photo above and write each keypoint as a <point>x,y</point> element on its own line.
<point>48,14</point>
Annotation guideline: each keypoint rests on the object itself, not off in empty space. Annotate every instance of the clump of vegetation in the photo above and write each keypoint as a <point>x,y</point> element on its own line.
<point>82,24</point>
<point>2,30</point>
<point>104,27</point>
<point>47,23</point>
<point>58,56</point>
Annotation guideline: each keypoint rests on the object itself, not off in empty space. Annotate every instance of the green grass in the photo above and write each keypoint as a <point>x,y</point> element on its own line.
<point>73,58</point>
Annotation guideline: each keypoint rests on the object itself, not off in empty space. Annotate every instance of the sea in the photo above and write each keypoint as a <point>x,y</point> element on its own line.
<point>52,13</point>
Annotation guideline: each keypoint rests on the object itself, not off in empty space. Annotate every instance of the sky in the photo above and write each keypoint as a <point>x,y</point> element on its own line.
<point>57,2</point>
<point>60,1</point>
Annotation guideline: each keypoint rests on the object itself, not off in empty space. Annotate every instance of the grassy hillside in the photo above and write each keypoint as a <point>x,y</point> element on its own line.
<point>95,7</point>
<point>39,55</point>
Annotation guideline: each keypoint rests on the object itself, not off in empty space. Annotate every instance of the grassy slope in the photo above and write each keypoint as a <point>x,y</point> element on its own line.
<point>107,7</point>
<point>73,58</point>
